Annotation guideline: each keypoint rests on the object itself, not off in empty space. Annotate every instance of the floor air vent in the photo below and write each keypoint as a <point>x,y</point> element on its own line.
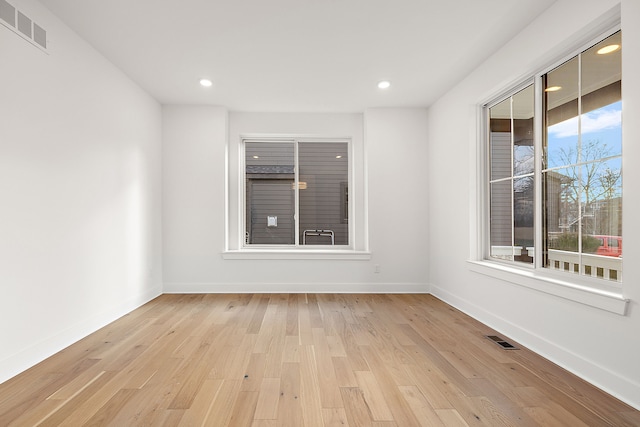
<point>502,343</point>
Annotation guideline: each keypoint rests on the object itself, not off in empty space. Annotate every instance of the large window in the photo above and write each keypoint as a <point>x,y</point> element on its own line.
<point>555,168</point>
<point>296,193</point>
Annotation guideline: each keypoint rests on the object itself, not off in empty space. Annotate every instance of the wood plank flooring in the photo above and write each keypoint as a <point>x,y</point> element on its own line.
<point>266,360</point>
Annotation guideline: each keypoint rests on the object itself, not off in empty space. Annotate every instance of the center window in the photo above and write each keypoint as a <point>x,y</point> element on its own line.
<point>296,193</point>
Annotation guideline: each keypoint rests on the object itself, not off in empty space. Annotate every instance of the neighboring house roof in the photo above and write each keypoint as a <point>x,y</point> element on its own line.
<point>271,169</point>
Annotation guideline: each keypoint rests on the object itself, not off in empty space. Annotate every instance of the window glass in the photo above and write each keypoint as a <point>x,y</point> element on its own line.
<point>580,155</point>
<point>523,153</point>
<point>270,199</point>
<point>561,93</point>
<point>583,165</point>
<point>324,171</point>
<point>500,139</point>
<point>286,180</point>
<point>512,160</point>
<point>500,221</point>
<point>562,209</point>
<point>523,216</point>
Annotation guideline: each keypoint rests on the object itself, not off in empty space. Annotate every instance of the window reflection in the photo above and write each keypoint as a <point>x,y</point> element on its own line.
<point>583,162</point>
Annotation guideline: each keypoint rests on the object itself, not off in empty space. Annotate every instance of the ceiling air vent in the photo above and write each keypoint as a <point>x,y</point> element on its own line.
<point>39,35</point>
<point>22,25</point>
<point>502,343</point>
<point>8,13</point>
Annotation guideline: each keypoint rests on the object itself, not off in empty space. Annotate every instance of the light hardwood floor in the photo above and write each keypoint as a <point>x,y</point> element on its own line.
<point>301,360</point>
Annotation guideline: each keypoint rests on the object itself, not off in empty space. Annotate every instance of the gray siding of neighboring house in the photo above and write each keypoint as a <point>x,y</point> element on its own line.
<point>267,197</point>
<point>322,201</point>
<point>501,209</point>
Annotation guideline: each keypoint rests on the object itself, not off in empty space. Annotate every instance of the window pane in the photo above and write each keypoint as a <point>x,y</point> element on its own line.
<point>523,160</point>
<point>323,193</point>
<point>562,220</point>
<point>601,132</point>
<point>500,139</point>
<point>601,73</point>
<point>583,214</point>
<point>562,208</point>
<point>523,209</point>
<point>601,186</point>
<point>501,228</point>
<point>270,197</point>
<point>561,96</point>
<point>601,119</point>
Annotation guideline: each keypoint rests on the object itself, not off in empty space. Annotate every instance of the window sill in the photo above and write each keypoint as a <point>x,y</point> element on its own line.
<point>283,254</point>
<point>612,301</point>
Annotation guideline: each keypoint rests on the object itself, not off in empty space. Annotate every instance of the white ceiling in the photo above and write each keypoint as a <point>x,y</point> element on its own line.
<point>297,55</point>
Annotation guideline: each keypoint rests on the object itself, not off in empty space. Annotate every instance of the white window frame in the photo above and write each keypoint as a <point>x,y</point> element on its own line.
<point>296,144</point>
<point>596,293</point>
<point>236,247</point>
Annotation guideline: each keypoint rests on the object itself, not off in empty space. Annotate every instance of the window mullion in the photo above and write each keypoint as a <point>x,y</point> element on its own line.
<point>579,161</point>
<point>538,135</point>
<point>511,149</point>
<point>296,187</point>
<point>242,214</point>
<point>485,190</point>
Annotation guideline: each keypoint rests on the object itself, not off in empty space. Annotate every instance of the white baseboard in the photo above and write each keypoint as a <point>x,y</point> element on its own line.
<point>344,288</point>
<point>28,357</point>
<point>616,385</point>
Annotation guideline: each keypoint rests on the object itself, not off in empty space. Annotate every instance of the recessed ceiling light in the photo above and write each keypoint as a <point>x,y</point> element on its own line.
<point>553,89</point>
<point>338,156</point>
<point>206,82</point>
<point>256,157</point>
<point>608,49</point>
<point>384,84</point>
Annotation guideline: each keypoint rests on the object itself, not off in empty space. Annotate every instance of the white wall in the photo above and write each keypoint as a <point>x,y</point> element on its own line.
<point>599,346</point>
<point>193,198</point>
<point>194,144</point>
<point>398,211</point>
<point>79,193</point>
